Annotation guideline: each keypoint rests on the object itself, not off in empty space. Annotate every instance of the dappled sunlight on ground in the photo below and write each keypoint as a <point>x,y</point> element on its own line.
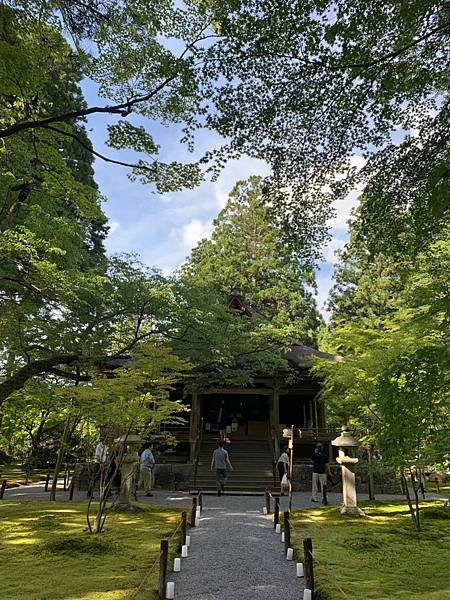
<point>50,557</point>
<point>380,556</point>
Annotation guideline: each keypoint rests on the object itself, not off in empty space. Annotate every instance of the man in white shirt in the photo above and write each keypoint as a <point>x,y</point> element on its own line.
<point>101,453</point>
<point>146,466</point>
<point>100,460</point>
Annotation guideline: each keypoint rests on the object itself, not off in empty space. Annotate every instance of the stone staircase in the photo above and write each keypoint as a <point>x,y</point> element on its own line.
<point>252,461</point>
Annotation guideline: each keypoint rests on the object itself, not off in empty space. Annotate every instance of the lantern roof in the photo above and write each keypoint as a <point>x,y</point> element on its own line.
<point>345,440</point>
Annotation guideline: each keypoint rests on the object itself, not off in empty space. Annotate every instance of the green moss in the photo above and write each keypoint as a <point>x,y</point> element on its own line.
<point>380,557</point>
<point>50,557</point>
<point>73,546</point>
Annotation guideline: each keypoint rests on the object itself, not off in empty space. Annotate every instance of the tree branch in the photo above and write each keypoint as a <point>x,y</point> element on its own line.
<point>18,380</point>
<point>382,59</point>
<point>123,109</point>
<point>95,153</point>
<point>69,375</point>
<point>24,190</point>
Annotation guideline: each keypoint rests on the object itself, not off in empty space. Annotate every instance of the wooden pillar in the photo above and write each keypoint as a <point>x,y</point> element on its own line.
<point>322,415</point>
<point>276,419</point>
<point>195,416</point>
<point>316,415</point>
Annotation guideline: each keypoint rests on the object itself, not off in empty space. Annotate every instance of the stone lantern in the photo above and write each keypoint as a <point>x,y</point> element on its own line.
<point>345,442</point>
<point>129,468</point>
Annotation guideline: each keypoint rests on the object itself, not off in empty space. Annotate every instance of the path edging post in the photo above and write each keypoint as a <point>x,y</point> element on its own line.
<point>308,565</point>
<point>163,568</point>
<point>276,512</point>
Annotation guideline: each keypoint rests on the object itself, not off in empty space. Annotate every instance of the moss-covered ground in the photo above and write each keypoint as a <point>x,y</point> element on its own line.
<point>15,474</point>
<point>46,555</point>
<point>379,557</point>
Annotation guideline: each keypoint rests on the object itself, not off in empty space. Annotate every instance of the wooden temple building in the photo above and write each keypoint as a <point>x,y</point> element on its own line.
<point>255,417</point>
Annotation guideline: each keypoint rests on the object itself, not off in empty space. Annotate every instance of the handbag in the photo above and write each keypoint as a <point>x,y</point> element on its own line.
<point>284,481</point>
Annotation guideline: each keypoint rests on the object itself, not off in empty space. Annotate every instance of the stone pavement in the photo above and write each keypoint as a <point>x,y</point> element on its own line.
<point>35,491</point>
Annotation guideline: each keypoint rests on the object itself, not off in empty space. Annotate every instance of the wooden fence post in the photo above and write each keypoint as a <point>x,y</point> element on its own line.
<point>287,532</point>
<point>276,512</point>
<point>193,511</point>
<point>47,479</point>
<point>71,487</point>
<point>2,489</point>
<point>183,527</point>
<point>268,502</point>
<point>163,568</point>
<point>324,495</point>
<point>309,565</point>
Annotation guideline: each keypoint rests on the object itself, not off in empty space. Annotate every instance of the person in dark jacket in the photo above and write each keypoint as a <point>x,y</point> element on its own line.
<point>321,469</point>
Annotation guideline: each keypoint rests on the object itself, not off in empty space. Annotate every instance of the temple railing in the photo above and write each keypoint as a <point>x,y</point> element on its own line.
<point>197,447</point>
<point>320,434</point>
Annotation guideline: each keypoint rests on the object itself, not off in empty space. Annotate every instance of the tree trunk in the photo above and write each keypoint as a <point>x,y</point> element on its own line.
<point>416,496</point>
<point>60,458</point>
<point>408,498</point>
<point>371,481</point>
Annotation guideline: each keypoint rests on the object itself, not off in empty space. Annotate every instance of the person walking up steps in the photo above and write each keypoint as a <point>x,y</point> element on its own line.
<point>283,467</point>
<point>220,462</point>
<point>321,469</point>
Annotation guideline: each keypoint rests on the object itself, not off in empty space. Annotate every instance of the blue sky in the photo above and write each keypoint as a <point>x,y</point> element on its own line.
<point>162,228</point>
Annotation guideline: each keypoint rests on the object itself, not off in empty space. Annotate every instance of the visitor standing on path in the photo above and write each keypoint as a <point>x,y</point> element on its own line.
<point>146,466</point>
<point>321,468</point>
<point>220,461</point>
<point>283,467</point>
<point>100,460</point>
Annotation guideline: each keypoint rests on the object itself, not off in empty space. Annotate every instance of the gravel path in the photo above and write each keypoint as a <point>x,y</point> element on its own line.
<point>236,553</point>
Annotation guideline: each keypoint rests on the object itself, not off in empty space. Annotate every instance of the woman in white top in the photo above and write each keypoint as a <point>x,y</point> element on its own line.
<point>283,466</point>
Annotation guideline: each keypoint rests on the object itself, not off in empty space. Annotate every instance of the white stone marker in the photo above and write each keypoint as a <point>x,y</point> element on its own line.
<point>282,536</point>
<point>264,510</point>
<point>299,569</point>
<point>170,590</point>
<point>307,594</point>
<point>177,565</point>
<point>290,554</point>
<point>278,528</point>
<point>188,540</point>
<point>184,551</point>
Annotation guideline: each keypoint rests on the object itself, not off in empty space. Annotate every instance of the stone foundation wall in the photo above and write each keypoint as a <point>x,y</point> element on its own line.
<point>385,481</point>
<point>169,476</point>
<point>173,476</point>
<point>176,476</point>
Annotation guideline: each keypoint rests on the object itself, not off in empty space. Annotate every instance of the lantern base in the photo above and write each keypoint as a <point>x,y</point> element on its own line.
<point>353,511</point>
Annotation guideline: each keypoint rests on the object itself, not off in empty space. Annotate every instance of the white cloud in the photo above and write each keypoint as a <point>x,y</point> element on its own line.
<point>113,227</point>
<point>194,231</point>
<point>343,210</point>
<point>344,207</point>
<point>324,285</point>
<point>329,251</point>
<point>234,171</point>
